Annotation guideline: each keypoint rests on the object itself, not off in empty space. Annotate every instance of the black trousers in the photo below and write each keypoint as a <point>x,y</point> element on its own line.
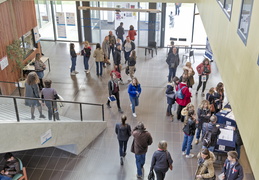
<point>117,95</point>
<point>179,116</point>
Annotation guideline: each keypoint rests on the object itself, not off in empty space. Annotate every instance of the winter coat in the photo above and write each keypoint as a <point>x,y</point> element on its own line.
<point>170,90</point>
<point>232,173</point>
<point>187,95</point>
<point>203,117</point>
<point>117,57</point>
<point>161,160</point>
<point>119,31</point>
<point>98,55</point>
<point>132,90</point>
<point>206,169</point>
<point>200,69</point>
<point>105,47</point>
<point>190,127</point>
<point>142,139</point>
<point>132,34</point>
<point>191,73</point>
<point>173,60</point>
<point>131,43</point>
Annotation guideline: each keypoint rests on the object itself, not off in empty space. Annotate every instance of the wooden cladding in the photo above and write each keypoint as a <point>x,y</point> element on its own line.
<point>16,18</point>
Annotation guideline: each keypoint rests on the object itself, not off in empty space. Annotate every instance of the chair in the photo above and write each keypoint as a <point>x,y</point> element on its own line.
<point>188,55</point>
<point>151,46</point>
<point>22,175</point>
<point>186,47</point>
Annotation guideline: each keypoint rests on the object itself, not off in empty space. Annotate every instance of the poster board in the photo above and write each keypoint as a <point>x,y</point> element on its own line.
<point>4,62</point>
<point>61,26</point>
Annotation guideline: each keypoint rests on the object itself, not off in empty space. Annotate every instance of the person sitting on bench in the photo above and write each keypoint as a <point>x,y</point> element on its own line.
<point>11,167</point>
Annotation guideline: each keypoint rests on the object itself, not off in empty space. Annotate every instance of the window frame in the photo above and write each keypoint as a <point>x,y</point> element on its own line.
<point>242,36</point>
<point>224,9</point>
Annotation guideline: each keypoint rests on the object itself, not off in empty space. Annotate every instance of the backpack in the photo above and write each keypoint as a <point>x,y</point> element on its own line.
<point>207,137</point>
<point>179,94</point>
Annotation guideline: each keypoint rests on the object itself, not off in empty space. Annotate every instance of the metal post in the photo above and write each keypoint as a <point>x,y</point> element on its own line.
<point>81,114</point>
<point>103,111</point>
<point>16,110</point>
<point>193,21</point>
<point>53,111</point>
<point>19,89</point>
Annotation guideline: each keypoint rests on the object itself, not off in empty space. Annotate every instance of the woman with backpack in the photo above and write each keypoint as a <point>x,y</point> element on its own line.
<point>86,52</point>
<point>189,132</point>
<point>205,168</point>
<point>170,96</point>
<point>123,131</point>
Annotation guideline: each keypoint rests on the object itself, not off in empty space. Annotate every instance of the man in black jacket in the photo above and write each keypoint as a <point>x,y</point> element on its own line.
<point>120,32</point>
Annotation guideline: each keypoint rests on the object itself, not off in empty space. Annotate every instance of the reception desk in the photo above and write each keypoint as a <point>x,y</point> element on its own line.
<point>30,67</point>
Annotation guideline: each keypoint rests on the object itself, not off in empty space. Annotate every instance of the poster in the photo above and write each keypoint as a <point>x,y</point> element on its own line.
<point>71,20</point>
<point>36,34</point>
<point>208,52</point>
<point>4,62</point>
<point>46,136</point>
<point>61,26</point>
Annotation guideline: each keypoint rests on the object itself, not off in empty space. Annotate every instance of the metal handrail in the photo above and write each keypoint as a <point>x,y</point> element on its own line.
<point>18,85</point>
<point>72,102</point>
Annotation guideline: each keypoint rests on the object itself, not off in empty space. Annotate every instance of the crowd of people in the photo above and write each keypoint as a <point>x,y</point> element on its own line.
<point>178,91</point>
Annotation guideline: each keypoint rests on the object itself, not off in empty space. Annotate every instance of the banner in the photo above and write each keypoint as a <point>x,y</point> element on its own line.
<point>208,52</point>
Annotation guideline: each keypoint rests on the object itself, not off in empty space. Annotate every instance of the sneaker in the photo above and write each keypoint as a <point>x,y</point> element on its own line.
<point>139,176</point>
<point>189,156</point>
<point>197,141</point>
<point>42,116</point>
<point>87,72</point>
<point>196,93</point>
<point>120,110</point>
<point>134,115</point>
<point>76,72</point>
<point>124,154</point>
<point>202,94</point>
<point>122,83</point>
<point>183,153</point>
<point>122,161</point>
<point>72,73</point>
<point>33,117</point>
<point>108,105</point>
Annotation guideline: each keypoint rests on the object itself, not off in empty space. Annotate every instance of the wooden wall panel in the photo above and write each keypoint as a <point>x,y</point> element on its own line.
<point>16,19</point>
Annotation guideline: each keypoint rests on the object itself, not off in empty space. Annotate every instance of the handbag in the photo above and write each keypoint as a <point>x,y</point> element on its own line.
<point>203,78</point>
<point>212,108</point>
<point>151,175</point>
<point>172,95</point>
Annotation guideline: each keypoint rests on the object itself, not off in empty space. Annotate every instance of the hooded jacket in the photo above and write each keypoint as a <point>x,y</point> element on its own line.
<point>142,139</point>
<point>232,173</point>
<point>206,169</point>
<point>187,95</point>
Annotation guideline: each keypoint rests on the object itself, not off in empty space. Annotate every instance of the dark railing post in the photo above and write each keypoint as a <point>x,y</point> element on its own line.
<point>81,113</point>
<point>53,110</point>
<point>19,88</point>
<point>103,111</point>
<point>16,110</point>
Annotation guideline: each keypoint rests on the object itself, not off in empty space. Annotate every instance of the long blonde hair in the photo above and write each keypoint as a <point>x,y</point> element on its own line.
<point>32,78</point>
<point>203,102</point>
<point>133,55</point>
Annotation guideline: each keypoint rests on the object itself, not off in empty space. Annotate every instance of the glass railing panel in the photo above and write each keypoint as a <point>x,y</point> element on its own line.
<point>91,112</point>
<point>7,110</point>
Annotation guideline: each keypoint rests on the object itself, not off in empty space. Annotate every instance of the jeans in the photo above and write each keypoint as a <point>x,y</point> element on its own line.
<point>2,177</point>
<point>140,161</point>
<point>122,147</point>
<point>73,66</point>
<point>169,109</point>
<point>202,83</point>
<point>122,40</point>
<point>198,133</point>
<point>117,95</point>
<point>211,148</point>
<point>126,55</point>
<point>171,74</point>
<point>99,64</point>
<point>111,49</point>
<point>187,142</point>
<point>50,110</point>
<point>160,175</point>
<point>86,59</point>
<point>134,101</point>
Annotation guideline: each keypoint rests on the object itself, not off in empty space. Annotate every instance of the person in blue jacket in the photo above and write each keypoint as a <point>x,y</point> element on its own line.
<point>232,169</point>
<point>134,91</point>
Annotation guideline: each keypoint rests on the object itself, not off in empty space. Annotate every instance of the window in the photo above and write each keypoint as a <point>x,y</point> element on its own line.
<point>244,20</point>
<point>227,6</point>
<point>28,43</point>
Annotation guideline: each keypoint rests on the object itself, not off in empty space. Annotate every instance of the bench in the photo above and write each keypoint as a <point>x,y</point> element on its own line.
<point>151,46</point>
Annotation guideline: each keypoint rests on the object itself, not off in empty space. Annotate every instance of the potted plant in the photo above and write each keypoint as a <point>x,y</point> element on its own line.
<point>16,54</point>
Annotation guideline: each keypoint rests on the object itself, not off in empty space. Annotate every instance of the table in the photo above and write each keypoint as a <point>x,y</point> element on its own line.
<point>30,67</point>
<point>224,116</point>
<point>179,45</point>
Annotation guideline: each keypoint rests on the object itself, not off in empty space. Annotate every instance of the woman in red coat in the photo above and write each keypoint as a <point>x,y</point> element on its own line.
<point>204,70</point>
<point>132,33</point>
